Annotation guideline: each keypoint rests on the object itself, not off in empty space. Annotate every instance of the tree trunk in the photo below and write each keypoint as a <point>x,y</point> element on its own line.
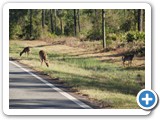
<point>103,28</point>
<point>55,21</point>
<point>51,19</point>
<point>95,12</point>
<point>30,32</point>
<point>79,27</point>
<point>43,18</point>
<point>61,25</point>
<point>75,23</point>
<point>96,23</point>
<point>125,11</point>
<point>140,20</point>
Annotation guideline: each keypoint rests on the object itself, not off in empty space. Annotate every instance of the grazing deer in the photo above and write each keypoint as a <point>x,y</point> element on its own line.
<point>25,50</point>
<point>128,58</point>
<point>43,57</point>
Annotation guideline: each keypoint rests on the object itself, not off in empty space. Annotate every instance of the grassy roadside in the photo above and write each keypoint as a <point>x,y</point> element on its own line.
<point>112,85</point>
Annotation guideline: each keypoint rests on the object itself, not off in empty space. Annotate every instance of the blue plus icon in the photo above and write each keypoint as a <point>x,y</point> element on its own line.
<point>147,99</point>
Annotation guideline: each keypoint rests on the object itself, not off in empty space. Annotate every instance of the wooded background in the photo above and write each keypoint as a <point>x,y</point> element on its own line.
<point>87,24</point>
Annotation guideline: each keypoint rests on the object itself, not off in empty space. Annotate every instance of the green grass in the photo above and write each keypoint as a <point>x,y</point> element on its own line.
<point>113,86</point>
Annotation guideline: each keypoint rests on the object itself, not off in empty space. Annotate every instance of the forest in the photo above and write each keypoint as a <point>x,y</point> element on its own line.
<point>85,49</point>
<point>85,24</point>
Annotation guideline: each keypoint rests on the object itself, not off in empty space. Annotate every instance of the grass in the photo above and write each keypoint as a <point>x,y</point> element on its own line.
<point>109,84</point>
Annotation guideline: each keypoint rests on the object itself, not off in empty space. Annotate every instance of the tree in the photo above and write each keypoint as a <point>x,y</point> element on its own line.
<point>30,23</point>
<point>103,28</point>
<point>140,20</point>
<point>60,15</point>
<point>17,23</point>
<point>75,23</point>
<point>43,18</point>
<point>51,19</point>
<point>79,27</point>
<point>90,23</point>
<point>55,21</point>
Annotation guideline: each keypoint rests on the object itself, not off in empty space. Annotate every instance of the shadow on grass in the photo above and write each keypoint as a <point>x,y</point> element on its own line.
<point>51,44</point>
<point>86,82</point>
<point>110,60</point>
<point>134,68</point>
<point>42,45</point>
<point>92,64</point>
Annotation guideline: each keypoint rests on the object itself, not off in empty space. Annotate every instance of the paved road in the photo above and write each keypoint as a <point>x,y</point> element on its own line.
<point>29,91</point>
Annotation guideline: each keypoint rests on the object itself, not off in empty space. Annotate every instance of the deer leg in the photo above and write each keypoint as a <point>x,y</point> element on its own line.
<point>41,62</point>
<point>123,63</point>
<point>27,54</point>
<point>130,62</point>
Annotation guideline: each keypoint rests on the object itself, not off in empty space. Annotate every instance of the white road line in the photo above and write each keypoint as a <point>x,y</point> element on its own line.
<point>78,102</point>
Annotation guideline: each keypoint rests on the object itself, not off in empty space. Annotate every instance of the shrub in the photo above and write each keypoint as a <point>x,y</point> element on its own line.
<point>126,26</point>
<point>134,36</point>
<point>129,37</point>
<point>111,36</point>
<point>94,35</point>
<point>14,31</point>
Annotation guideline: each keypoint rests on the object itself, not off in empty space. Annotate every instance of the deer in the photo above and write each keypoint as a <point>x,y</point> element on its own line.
<point>128,58</point>
<point>25,50</point>
<point>43,57</point>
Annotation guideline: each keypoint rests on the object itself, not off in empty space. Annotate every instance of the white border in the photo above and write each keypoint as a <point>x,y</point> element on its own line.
<point>8,6</point>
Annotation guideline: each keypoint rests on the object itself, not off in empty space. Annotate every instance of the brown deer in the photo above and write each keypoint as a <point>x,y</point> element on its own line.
<point>128,58</point>
<point>25,50</point>
<point>43,57</point>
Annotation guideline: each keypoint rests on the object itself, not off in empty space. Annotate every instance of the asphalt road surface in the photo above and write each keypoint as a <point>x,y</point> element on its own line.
<point>29,91</point>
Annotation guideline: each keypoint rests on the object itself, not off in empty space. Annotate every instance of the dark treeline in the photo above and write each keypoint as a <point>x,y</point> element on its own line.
<point>92,24</point>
